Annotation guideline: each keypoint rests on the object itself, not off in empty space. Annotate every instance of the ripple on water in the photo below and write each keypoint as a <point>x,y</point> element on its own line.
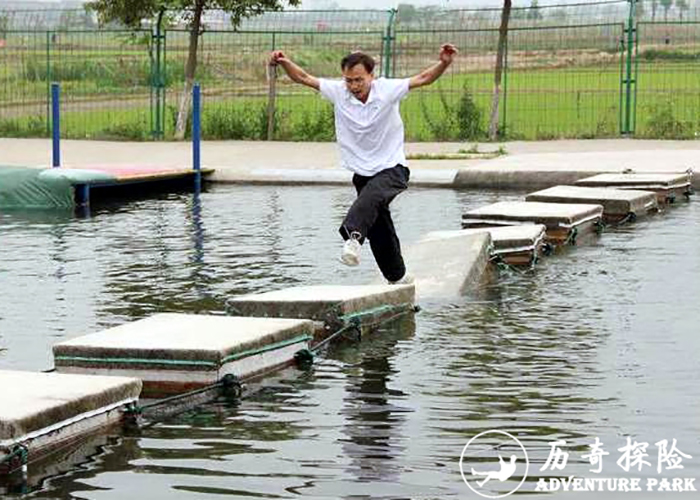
<point>598,341</point>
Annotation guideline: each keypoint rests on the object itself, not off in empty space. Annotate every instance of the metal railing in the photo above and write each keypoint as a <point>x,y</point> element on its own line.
<point>578,70</point>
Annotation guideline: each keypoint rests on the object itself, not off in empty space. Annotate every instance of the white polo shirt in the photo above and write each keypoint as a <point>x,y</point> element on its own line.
<point>370,135</point>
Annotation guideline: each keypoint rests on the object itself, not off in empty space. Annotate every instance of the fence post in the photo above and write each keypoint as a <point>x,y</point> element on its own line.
<point>387,45</point>
<point>158,80</point>
<point>196,136</point>
<point>48,83</point>
<point>271,95</point>
<point>504,118</point>
<point>55,126</point>
<point>629,81</point>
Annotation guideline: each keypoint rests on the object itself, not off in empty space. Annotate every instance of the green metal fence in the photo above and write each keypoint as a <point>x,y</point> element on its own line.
<point>591,70</point>
<point>105,79</point>
<point>667,73</point>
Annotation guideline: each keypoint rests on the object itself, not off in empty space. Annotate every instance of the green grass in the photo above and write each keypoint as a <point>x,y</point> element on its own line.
<point>564,102</point>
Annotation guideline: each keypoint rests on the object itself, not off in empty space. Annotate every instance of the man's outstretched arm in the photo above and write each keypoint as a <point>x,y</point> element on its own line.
<point>294,72</point>
<point>429,75</point>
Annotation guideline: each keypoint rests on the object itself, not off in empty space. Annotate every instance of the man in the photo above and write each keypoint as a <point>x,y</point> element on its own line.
<point>370,135</point>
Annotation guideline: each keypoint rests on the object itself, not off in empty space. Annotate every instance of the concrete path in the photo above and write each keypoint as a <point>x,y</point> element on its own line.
<point>527,165</point>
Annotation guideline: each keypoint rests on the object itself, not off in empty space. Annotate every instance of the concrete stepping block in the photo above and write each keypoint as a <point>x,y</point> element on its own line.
<point>448,267</point>
<point>668,187</point>
<point>618,204</point>
<point>175,353</point>
<point>331,306</point>
<point>565,222</point>
<point>515,245</point>
<point>40,412</point>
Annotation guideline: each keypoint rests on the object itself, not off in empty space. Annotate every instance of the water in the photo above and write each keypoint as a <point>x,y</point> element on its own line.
<point>600,342</point>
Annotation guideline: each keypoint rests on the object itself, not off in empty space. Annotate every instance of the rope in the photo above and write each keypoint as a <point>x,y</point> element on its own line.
<point>18,450</point>
<point>140,361</point>
<point>304,358</point>
<point>630,217</point>
<point>229,385</point>
<point>599,226</point>
<point>404,307</point>
<point>571,237</point>
<point>187,362</point>
<point>502,265</point>
<point>353,321</point>
<point>353,325</point>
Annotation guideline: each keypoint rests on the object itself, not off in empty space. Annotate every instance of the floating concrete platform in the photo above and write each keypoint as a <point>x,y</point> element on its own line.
<point>452,266</point>
<point>40,412</point>
<point>175,353</point>
<point>332,306</point>
<point>668,187</point>
<point>618,204</point>
<point>565,222</point>
<point>515,245</point>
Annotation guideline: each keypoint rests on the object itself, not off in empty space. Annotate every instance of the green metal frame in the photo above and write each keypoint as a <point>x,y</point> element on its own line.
<point>388,45</point>
<point>158,62</point>
<point>629,80</point>
<point>385,34</point>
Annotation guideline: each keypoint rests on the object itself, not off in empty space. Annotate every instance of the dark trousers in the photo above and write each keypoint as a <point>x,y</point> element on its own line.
<point>369,216</point>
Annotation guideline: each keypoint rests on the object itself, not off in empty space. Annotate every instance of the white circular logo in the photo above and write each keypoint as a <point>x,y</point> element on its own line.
<point>491,462</point>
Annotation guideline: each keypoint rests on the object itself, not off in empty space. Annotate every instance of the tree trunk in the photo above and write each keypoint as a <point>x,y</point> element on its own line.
<point>498,74</point>
<point>190,71</point>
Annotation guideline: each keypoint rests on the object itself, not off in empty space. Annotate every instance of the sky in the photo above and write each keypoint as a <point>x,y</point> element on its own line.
<point>380,4</point>
<point>455,4</point>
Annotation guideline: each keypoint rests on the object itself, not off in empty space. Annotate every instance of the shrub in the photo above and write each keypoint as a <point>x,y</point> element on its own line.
<point>29,127</point>
<point>462,121</point>
<point>469,118</point>
<point>128,131</point>
<point>663,124</point>
<point>315,126</point>
<point>247,122</point>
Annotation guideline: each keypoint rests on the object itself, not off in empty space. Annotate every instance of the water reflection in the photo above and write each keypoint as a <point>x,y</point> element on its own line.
<point>373,411</point>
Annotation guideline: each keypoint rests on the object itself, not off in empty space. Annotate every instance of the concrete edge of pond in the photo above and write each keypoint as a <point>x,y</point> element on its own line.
<point>452,178</point>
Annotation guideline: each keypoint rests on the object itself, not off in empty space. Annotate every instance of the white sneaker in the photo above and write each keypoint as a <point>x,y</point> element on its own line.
<point>407,279</point>
<point>351,252</point>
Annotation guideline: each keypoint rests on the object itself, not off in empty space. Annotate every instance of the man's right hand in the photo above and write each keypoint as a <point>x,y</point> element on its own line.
<point>277,57</point>
<point>294,72</point>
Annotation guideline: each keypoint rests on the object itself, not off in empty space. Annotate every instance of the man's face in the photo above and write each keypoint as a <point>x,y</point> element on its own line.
<point>358,81</point>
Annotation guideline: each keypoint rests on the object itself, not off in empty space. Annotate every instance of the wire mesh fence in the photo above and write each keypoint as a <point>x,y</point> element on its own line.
<point>667,71</point>
<point>577,70</point>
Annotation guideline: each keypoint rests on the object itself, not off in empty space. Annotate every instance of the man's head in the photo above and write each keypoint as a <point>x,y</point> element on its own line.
<point>358,74</point>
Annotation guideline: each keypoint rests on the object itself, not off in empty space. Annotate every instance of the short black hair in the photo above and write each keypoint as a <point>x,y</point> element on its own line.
<point>355,58</point>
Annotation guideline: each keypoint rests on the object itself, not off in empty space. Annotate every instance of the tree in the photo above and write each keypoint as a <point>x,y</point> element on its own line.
<point>682,7</point>
<point>533,12</point>
<point>133,12</point>
<point>70,19</point>
<point>407,13</point>
<point>498,73</point>
<point>666,4</point>
<point>559,15</point>
<point>4,25</point>
<point>654,6</point>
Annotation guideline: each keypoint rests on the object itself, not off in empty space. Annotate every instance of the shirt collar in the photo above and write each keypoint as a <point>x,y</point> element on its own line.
<point>370,98</point>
